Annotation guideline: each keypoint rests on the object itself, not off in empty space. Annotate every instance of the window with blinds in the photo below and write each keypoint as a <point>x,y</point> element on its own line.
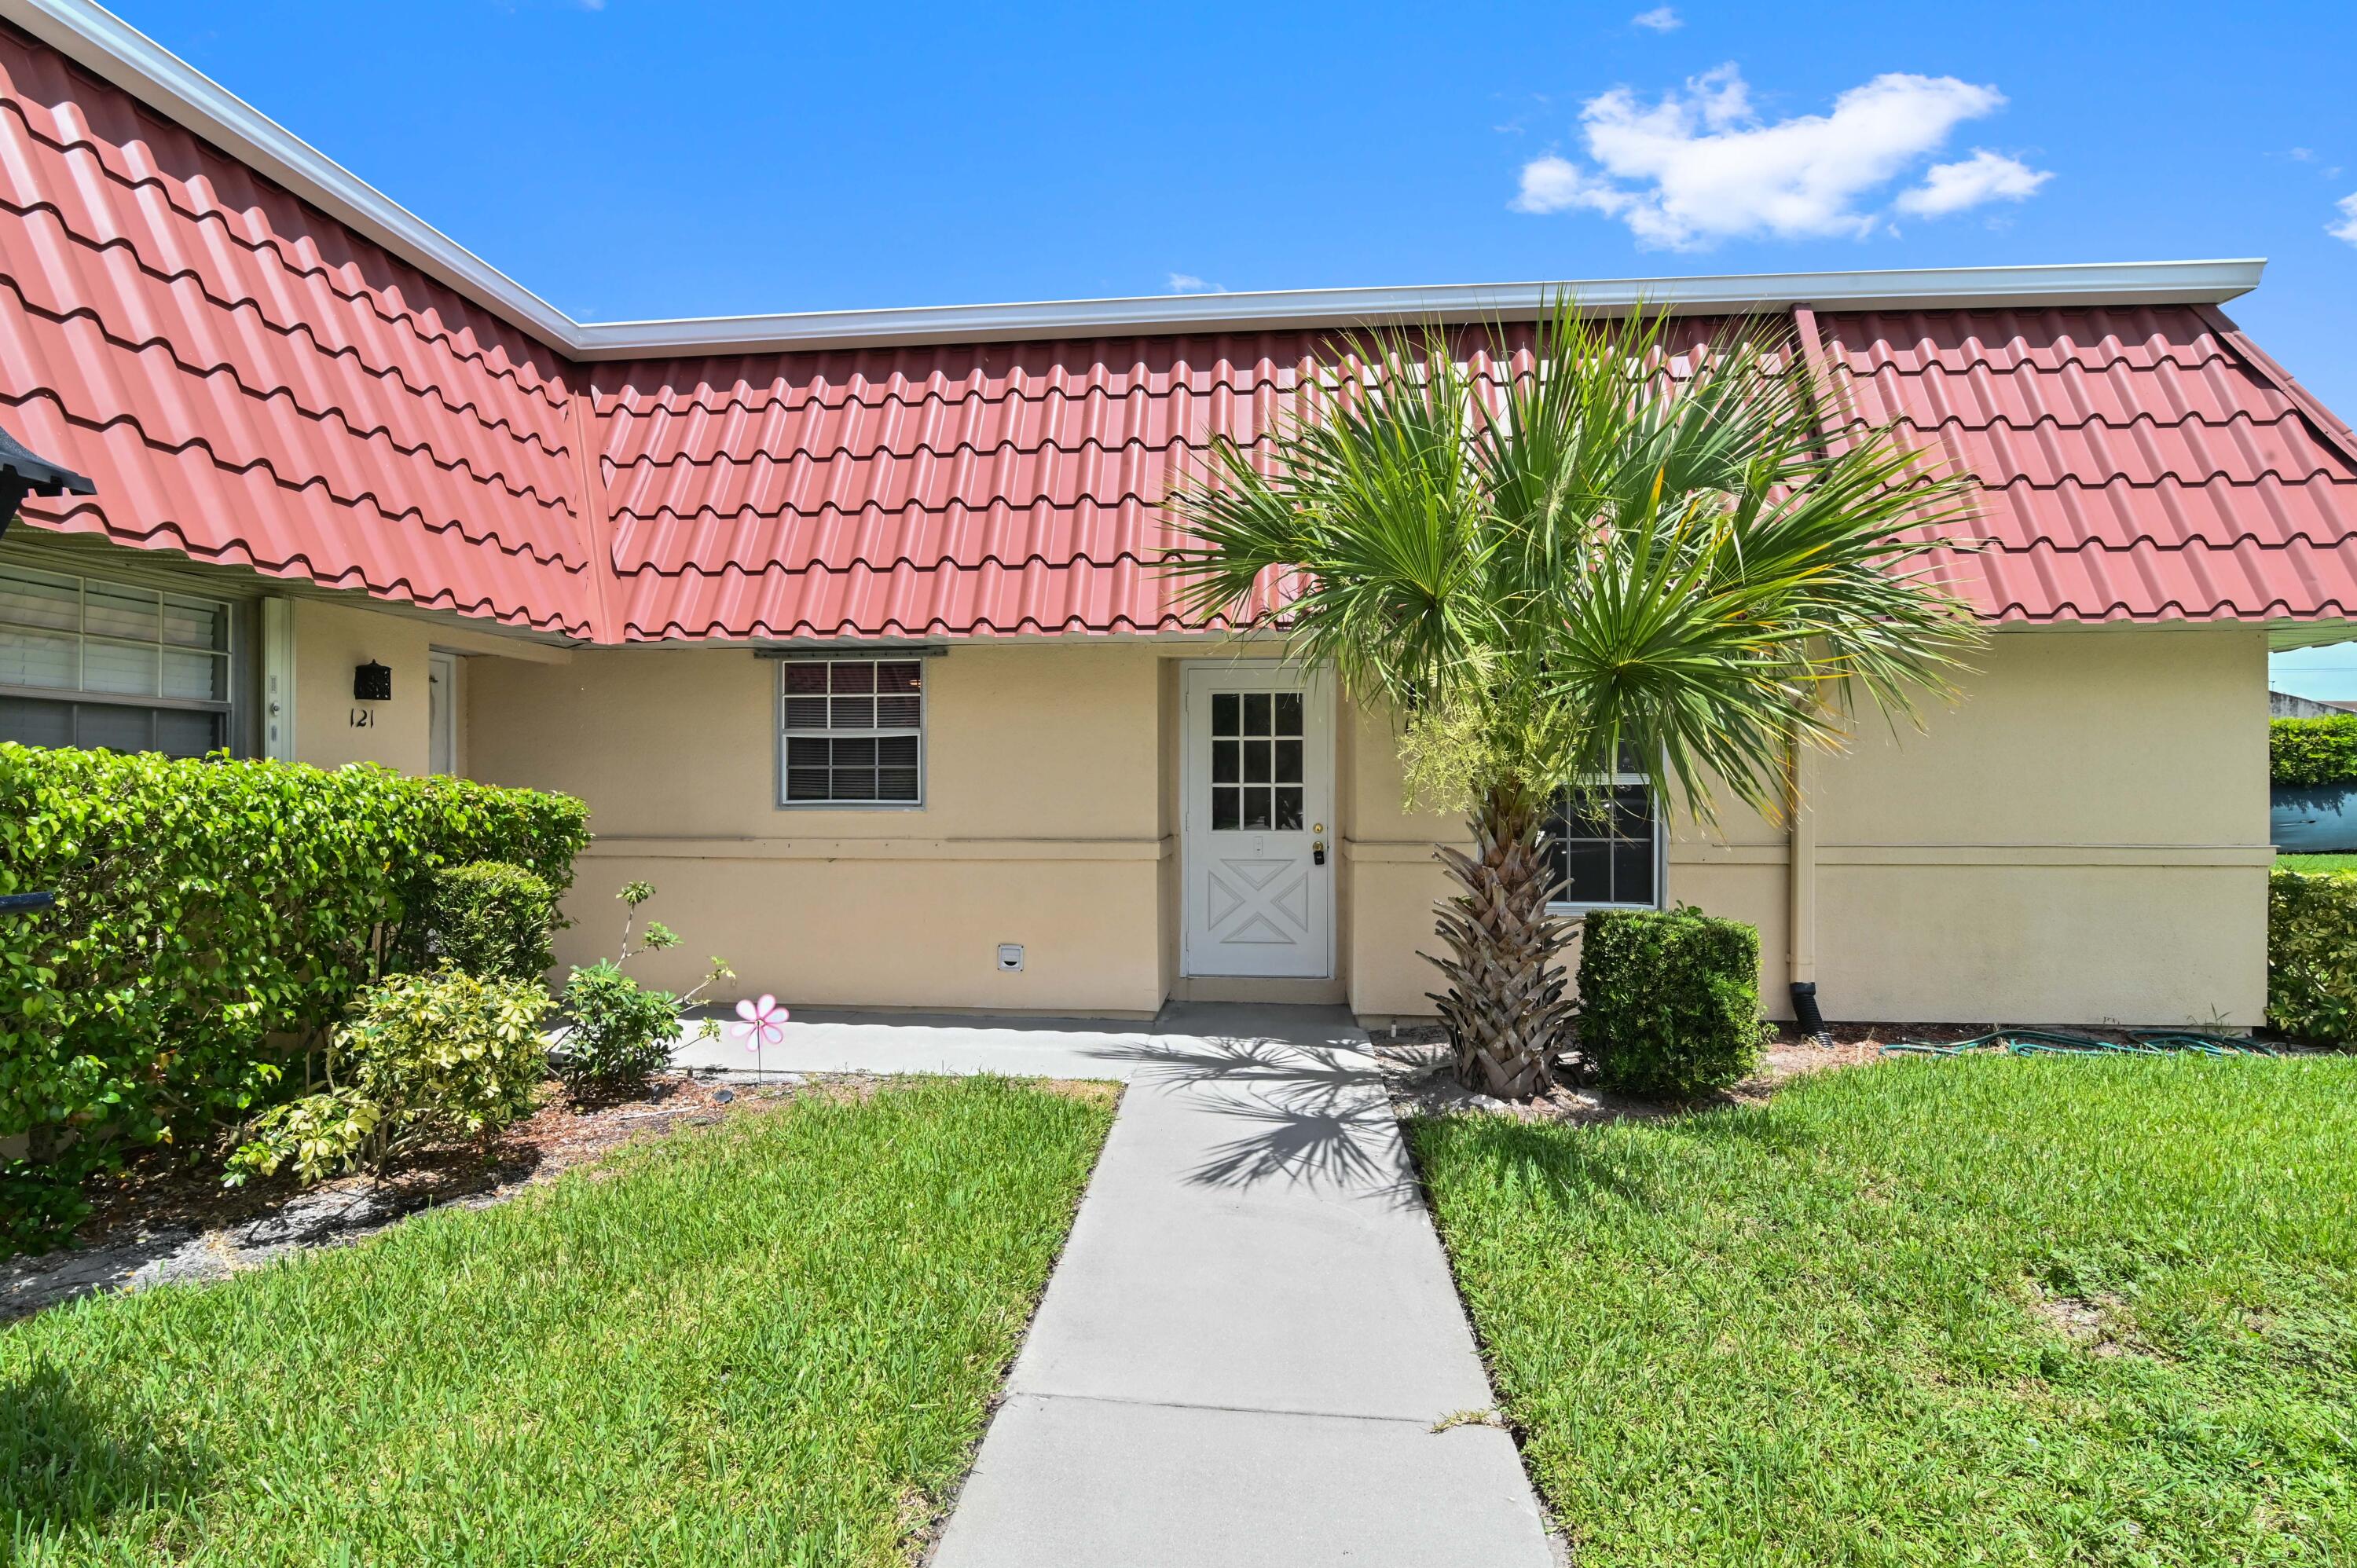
<point>112,666</point>
<point>852,732</point>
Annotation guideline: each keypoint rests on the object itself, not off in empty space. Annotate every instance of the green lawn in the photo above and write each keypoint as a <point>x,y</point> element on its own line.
<point>1986,1310</point>
<point>773,1341</point>
<point>2315,863</point>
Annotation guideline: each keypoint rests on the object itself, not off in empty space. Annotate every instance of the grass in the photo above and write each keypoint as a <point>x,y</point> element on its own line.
<point>1987,1310</point>
<point>773,1341</point>
<point>2313,863</point>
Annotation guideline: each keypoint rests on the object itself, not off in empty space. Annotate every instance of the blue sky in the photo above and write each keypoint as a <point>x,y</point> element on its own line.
<point>656,158</point>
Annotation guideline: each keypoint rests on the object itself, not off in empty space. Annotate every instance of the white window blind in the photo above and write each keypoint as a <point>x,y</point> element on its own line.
<point>110,665</point>
<point>852,732</point>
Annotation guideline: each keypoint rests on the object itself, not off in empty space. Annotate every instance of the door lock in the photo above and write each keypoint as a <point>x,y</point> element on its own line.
<point>1317,852</point>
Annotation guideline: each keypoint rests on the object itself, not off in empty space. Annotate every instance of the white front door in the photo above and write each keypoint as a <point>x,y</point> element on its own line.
<point>441,712</point>
<point>1257,770</point>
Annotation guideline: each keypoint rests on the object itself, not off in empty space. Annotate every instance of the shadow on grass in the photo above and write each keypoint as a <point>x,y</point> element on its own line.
<point>1644,1161</point>
<point>68,1464</point>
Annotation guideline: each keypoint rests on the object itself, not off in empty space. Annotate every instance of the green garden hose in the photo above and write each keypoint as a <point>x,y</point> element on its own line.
<point>2055,1042</point>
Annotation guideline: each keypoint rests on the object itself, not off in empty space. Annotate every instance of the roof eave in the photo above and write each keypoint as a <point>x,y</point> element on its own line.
<point>2105,284</point>
<point>113,50</point>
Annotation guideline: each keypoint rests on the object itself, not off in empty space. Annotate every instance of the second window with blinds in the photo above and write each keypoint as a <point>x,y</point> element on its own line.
<point>852,732</point>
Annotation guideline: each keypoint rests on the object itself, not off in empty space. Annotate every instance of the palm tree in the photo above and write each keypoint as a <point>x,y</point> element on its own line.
<point>1582,555</point>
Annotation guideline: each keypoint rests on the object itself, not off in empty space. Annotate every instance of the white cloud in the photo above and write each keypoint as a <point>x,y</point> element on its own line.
<point>2347,228</point>
<point>1552,184</point>
<point>1187,283</point>
<point>1701,165</point>
<point>1984,176</point>
<point>1660,19</point>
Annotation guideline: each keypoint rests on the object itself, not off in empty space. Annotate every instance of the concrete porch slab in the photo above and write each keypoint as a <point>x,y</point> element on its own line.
<point>825,1040</point>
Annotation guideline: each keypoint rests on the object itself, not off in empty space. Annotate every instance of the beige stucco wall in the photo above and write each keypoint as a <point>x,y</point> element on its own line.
<point>1043,824</point>
<point>331,641</point>
<point>2083,839</point>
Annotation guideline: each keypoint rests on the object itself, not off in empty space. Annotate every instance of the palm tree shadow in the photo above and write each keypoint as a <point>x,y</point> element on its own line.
<point>1310,1114</point>
<point>68,1464</point>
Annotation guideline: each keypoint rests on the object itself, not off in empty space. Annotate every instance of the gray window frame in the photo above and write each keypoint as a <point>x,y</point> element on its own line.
<point>1661,861</point>
<point>231,711</point>
<point>783,735</point>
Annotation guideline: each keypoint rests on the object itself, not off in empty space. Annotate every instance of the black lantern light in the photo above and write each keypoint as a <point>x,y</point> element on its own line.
<point>372,682</point>
<point>22,474</point>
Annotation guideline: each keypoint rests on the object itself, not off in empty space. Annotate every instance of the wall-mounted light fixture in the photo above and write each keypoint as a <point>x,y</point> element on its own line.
<point>372,682</point>
<point>23,473</point>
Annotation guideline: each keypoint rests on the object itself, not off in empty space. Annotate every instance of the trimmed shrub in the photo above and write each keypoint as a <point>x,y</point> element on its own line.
<point>2313,752</point>
<point>1669,1000</point>
<point>214,919</point>
<point>2312,956</point>
<point>427,1058</point>
<point>493,920</point>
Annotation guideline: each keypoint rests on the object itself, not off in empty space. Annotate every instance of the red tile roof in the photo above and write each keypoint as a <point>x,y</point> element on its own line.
<point>251,381</point>
<point>247,382</point>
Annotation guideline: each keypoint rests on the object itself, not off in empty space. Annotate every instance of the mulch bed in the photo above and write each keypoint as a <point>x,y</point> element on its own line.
<point>1416,1062</point>
<point>165,1217</point>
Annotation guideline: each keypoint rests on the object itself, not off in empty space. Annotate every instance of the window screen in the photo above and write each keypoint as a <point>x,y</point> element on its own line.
<point>853,731</point>
<point>1602,846</point>
<point>93,663</point>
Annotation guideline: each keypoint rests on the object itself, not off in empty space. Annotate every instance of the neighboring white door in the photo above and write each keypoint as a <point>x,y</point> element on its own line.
<point>1257,767</point>
<point>442,713</point>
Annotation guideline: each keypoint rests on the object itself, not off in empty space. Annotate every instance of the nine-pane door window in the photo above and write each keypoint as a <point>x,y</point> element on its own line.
<point>1256,778</point>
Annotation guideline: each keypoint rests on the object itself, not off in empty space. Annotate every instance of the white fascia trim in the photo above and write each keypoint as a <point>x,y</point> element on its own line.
<point>2115,282</point>
<point>113,49</point>
<point>104,44</point>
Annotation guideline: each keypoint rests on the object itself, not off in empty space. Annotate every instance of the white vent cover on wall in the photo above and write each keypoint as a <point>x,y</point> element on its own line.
<point>1011,958</point>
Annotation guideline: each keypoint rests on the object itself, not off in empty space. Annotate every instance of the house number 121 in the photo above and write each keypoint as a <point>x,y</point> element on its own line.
<point>364,718</point>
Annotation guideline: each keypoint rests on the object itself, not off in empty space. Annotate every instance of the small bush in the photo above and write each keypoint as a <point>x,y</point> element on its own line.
<point>2313,752</point>
<point>427,1058</point>
<point>493,920</point>
<point>622,1031</point>
<point>1669,1000</point>
<point>2312,956</point>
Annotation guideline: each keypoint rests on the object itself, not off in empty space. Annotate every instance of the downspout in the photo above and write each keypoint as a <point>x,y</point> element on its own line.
<point>1801,885</point>
<point>1800,846</point>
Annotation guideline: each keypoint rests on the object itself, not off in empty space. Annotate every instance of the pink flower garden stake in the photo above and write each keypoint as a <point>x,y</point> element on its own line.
<point>761,1023</point>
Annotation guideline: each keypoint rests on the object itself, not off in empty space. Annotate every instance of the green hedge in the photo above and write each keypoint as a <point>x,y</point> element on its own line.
<point>214,918</point>
<point>1669,1000</point>
<point>2313,751</point>
<point>493,920</point>
<point>2312,956</point>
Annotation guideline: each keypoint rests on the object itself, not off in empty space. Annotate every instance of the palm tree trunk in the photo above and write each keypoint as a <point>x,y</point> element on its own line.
<point>1505,1008</point>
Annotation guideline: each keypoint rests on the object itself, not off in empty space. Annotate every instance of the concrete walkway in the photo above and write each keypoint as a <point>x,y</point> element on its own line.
<point>1251,1335</point>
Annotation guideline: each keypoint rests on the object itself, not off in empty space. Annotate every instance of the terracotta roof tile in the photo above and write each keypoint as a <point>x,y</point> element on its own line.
<point>250,382</point>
